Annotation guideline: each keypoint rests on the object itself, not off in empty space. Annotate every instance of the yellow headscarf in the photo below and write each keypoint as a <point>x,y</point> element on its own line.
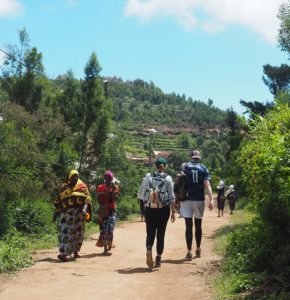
<point>71,173</point>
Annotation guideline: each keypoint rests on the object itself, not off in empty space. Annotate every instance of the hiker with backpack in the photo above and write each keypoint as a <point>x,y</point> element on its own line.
<point>159,200</point>
<point>198,181</point>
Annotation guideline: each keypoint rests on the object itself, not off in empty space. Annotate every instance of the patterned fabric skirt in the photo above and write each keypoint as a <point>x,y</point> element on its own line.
<point>71,231</point>
<point>106,231</point>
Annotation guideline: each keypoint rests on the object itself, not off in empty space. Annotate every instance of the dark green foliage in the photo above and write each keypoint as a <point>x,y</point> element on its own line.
<point>31,217</point>
<point>13,252</point>
<point>23,74</point>
<point>277,78</point>
<point>255,108</point>
<point>262,249</point>
<point>95,115</point>
<point>139,103</point>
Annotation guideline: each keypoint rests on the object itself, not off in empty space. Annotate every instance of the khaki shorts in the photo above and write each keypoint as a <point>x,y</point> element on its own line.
<point>189,208</point>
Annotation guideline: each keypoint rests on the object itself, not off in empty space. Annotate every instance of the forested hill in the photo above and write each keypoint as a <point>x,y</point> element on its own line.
<point>139,103</point>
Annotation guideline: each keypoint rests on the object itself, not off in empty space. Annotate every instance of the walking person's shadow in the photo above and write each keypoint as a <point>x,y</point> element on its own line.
<point>128,271</point>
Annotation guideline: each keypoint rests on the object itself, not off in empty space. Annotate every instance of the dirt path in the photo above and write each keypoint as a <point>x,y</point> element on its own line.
<point>124,275</point>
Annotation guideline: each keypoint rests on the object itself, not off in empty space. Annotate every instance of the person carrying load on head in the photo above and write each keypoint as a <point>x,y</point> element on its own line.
<point>232,197</point>
<point>221,198</point>
<point>107,195</point>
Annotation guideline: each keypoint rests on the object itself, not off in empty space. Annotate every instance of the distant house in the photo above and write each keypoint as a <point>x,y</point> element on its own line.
<point>157,154</point>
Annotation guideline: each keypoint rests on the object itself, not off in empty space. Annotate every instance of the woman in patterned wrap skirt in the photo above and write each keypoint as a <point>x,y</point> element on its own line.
<point>73,207</point>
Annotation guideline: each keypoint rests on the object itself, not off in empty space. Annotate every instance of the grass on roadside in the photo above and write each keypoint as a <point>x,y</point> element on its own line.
<point>227,283</point>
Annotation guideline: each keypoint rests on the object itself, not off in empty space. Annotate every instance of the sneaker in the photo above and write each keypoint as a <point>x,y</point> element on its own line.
<point>197,252</point>
<point>62,257</point>
<point>157,262</point>
<point>188,257</point>
<point>149,259</point>
<point>76,255</point>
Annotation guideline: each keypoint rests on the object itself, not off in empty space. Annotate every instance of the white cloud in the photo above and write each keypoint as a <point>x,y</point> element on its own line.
<point>257,15</point>
<point>10,8</point>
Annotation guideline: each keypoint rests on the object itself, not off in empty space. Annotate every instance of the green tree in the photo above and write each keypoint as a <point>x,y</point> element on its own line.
<point>256,108</point>
<point>277,78</point>
<point>94,127</point>
<point>22,73</point>
<point>284,30</point>
<point>69,101</point>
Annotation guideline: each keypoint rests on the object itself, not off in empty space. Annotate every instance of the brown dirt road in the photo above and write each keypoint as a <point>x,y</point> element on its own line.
<point>124,275</point>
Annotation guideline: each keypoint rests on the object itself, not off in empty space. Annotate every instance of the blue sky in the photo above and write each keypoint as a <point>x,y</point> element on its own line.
<point>201,48</point>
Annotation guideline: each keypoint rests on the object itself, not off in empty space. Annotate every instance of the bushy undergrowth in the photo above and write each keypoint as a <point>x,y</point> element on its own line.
<point>257,261</point>
<point>32,217</point>
<point>13,252</point>
<point>253,267</point>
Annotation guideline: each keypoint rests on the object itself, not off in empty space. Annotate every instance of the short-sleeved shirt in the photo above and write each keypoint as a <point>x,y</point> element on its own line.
<point>196,173</point>
<point>108,199</point>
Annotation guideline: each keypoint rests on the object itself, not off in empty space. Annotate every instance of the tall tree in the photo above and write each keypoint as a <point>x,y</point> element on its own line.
<point>277,78</point>
<point>69,101</point>
<point>256,108</point>
<point>22,73</point>
<point>92,102</point>
<point>234,136</point>
<point>284,30</point>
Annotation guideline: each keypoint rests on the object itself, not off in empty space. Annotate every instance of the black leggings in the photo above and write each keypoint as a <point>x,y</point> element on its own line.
<point>188,232</point>
<point>142,208</point>
<point>156,222</point>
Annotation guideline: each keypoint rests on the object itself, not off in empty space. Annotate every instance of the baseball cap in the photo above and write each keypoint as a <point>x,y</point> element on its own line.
<point>195,154</point>
<point>160,161</point>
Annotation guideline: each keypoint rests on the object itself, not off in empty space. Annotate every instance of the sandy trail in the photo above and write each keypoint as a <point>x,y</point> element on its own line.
<point>124,275</point>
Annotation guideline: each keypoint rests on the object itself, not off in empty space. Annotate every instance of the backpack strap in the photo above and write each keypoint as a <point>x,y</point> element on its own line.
<point>164,175</point>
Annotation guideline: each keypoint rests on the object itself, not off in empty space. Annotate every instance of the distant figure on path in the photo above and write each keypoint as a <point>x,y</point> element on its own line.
<point>221,198</point>
<point>232,197</point>
<point>73,207</point>
<point>107,195</point>
<point>158,199</point>
<point>197,183</point>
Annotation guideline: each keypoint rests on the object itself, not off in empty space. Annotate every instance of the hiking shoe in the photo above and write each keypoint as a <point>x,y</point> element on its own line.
<point>149,259</point>
<point>197,252</point>
<point>62,257</point>
<point>188,257</point>
<point>157,262</point>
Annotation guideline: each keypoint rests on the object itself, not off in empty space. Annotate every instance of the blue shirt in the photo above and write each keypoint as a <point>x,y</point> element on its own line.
<point>196,173</point>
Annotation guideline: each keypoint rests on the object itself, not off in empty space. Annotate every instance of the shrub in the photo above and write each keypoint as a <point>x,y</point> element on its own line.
<point>13,252</point>
<point>32,217</point>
